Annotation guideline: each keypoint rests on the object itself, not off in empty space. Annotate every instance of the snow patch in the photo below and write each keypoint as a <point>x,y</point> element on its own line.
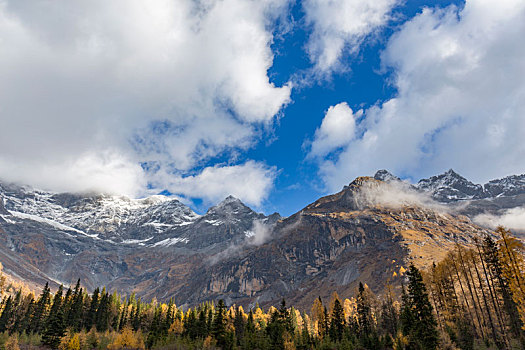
<point>136,241</point>
<point>49,222</point>
<point>170,241</point>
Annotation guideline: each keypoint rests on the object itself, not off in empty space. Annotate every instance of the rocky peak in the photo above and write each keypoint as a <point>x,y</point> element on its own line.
<point>385,175</point>
<point>230,205</point>
<point>450,186</point>
<point>508,186</point>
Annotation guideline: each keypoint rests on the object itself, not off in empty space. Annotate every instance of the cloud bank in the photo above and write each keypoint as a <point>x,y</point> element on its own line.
<point>513,219</point>
<point>460,102</point>
<point>395,195</point>
<point>92,89</point>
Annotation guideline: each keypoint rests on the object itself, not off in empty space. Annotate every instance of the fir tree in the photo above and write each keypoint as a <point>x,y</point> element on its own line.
<point>418,320</point>
<point>7,314</point>
<point>92,312</point>
<point>40,310</point>
<point>55,325</point>
<point>337,322</point>
<point>219,324</point>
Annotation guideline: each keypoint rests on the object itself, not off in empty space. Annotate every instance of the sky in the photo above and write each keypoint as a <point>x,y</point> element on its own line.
<point>276,102</point>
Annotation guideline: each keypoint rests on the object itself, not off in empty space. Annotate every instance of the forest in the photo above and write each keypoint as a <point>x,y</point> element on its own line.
<point>473,299</point>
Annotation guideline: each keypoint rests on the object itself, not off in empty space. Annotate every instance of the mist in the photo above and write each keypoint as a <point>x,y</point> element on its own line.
<point>394,195</point>
<point>513,219</point>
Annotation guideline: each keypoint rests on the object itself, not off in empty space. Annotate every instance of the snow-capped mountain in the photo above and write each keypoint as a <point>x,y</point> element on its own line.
<point>450,186</point>
<point>115,218</point>
<point>385,175</point>
<point>46,236</point>
<point>508,186</point>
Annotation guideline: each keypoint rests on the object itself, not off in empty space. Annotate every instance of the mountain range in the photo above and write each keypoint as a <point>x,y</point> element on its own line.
<point>159,247</point>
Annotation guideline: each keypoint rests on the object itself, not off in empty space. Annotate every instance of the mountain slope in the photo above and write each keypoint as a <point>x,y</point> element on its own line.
<point>158,247</point>
<point>330,245</point>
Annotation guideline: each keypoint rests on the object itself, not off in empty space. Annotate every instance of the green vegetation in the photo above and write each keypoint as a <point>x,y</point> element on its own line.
<point>473,299</point>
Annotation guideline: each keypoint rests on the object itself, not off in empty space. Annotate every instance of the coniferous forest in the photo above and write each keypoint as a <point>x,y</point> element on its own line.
<point>472,299</point>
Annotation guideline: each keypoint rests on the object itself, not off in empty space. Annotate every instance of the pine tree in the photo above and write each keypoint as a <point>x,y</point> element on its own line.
<point>337,322</point>
<point>40,310</point>
<point>155,331</point>
<point>7,314</point>
<point>55,325</point>
<point>364,313</point>
<point>92,312</point>
<point>219,324</point>
<point>417,318</point>
<point>239,323</point>
<point>102,314</point>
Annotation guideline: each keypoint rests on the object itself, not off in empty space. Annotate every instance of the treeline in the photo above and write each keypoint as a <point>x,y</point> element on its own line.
<point>473,299</point>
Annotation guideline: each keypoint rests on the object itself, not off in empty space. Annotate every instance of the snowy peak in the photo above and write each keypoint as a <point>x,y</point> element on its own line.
<point>450,186</point>
<point>230,205</point>
<point>508,186</point>
<point>111,217</point>
<point>385,175</point>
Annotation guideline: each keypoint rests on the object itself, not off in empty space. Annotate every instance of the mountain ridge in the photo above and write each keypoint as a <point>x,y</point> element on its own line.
<point>164,249</point>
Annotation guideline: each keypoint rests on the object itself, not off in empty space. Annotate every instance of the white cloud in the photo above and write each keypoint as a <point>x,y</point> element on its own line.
<point>99,172</point>
<point>336,130</point>
<point>251,181</point>
<point>460,77</point>
<point>84,77</point>
<point>394,194</point>
<point>260,233</point>
<point>513,219</point>
<point>340,26</point>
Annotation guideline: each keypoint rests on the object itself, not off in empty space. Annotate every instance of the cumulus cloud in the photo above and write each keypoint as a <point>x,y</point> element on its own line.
<point>513,219</point>
<point>251,181</point>
<point>336,130</point>
<point>340,26</point>
<point>104,86</point>
<point>460,79</point>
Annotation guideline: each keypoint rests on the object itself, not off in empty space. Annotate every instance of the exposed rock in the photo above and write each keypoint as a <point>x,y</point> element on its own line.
<point>450,186</point>
<point>158,247</point>
<point>385,175</point>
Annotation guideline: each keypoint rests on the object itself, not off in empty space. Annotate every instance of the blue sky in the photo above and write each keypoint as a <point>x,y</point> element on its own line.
<point>277,102</point>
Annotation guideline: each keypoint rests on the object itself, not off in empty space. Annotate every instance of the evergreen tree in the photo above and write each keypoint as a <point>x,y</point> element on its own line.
<point>250,324</point>
<point>40,310</point>
<point>364,314</point>
<point>92,312</point>
<point>26,320</point>
<point>102,315</point>
<point>337,322</point>
<point>136,317</point>
<point>239,324</point>
<point>418,322</point>
<point>169,318</point>
<point>7,314</point>
<point>219,324</point>
<point>155,331</point>
<point>55,325</point>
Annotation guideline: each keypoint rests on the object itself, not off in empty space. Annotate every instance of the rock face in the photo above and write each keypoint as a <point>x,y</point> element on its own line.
<point>471,199</point>
<point>385,175</point>
<point>158,247</point>
<point>451,186</point>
